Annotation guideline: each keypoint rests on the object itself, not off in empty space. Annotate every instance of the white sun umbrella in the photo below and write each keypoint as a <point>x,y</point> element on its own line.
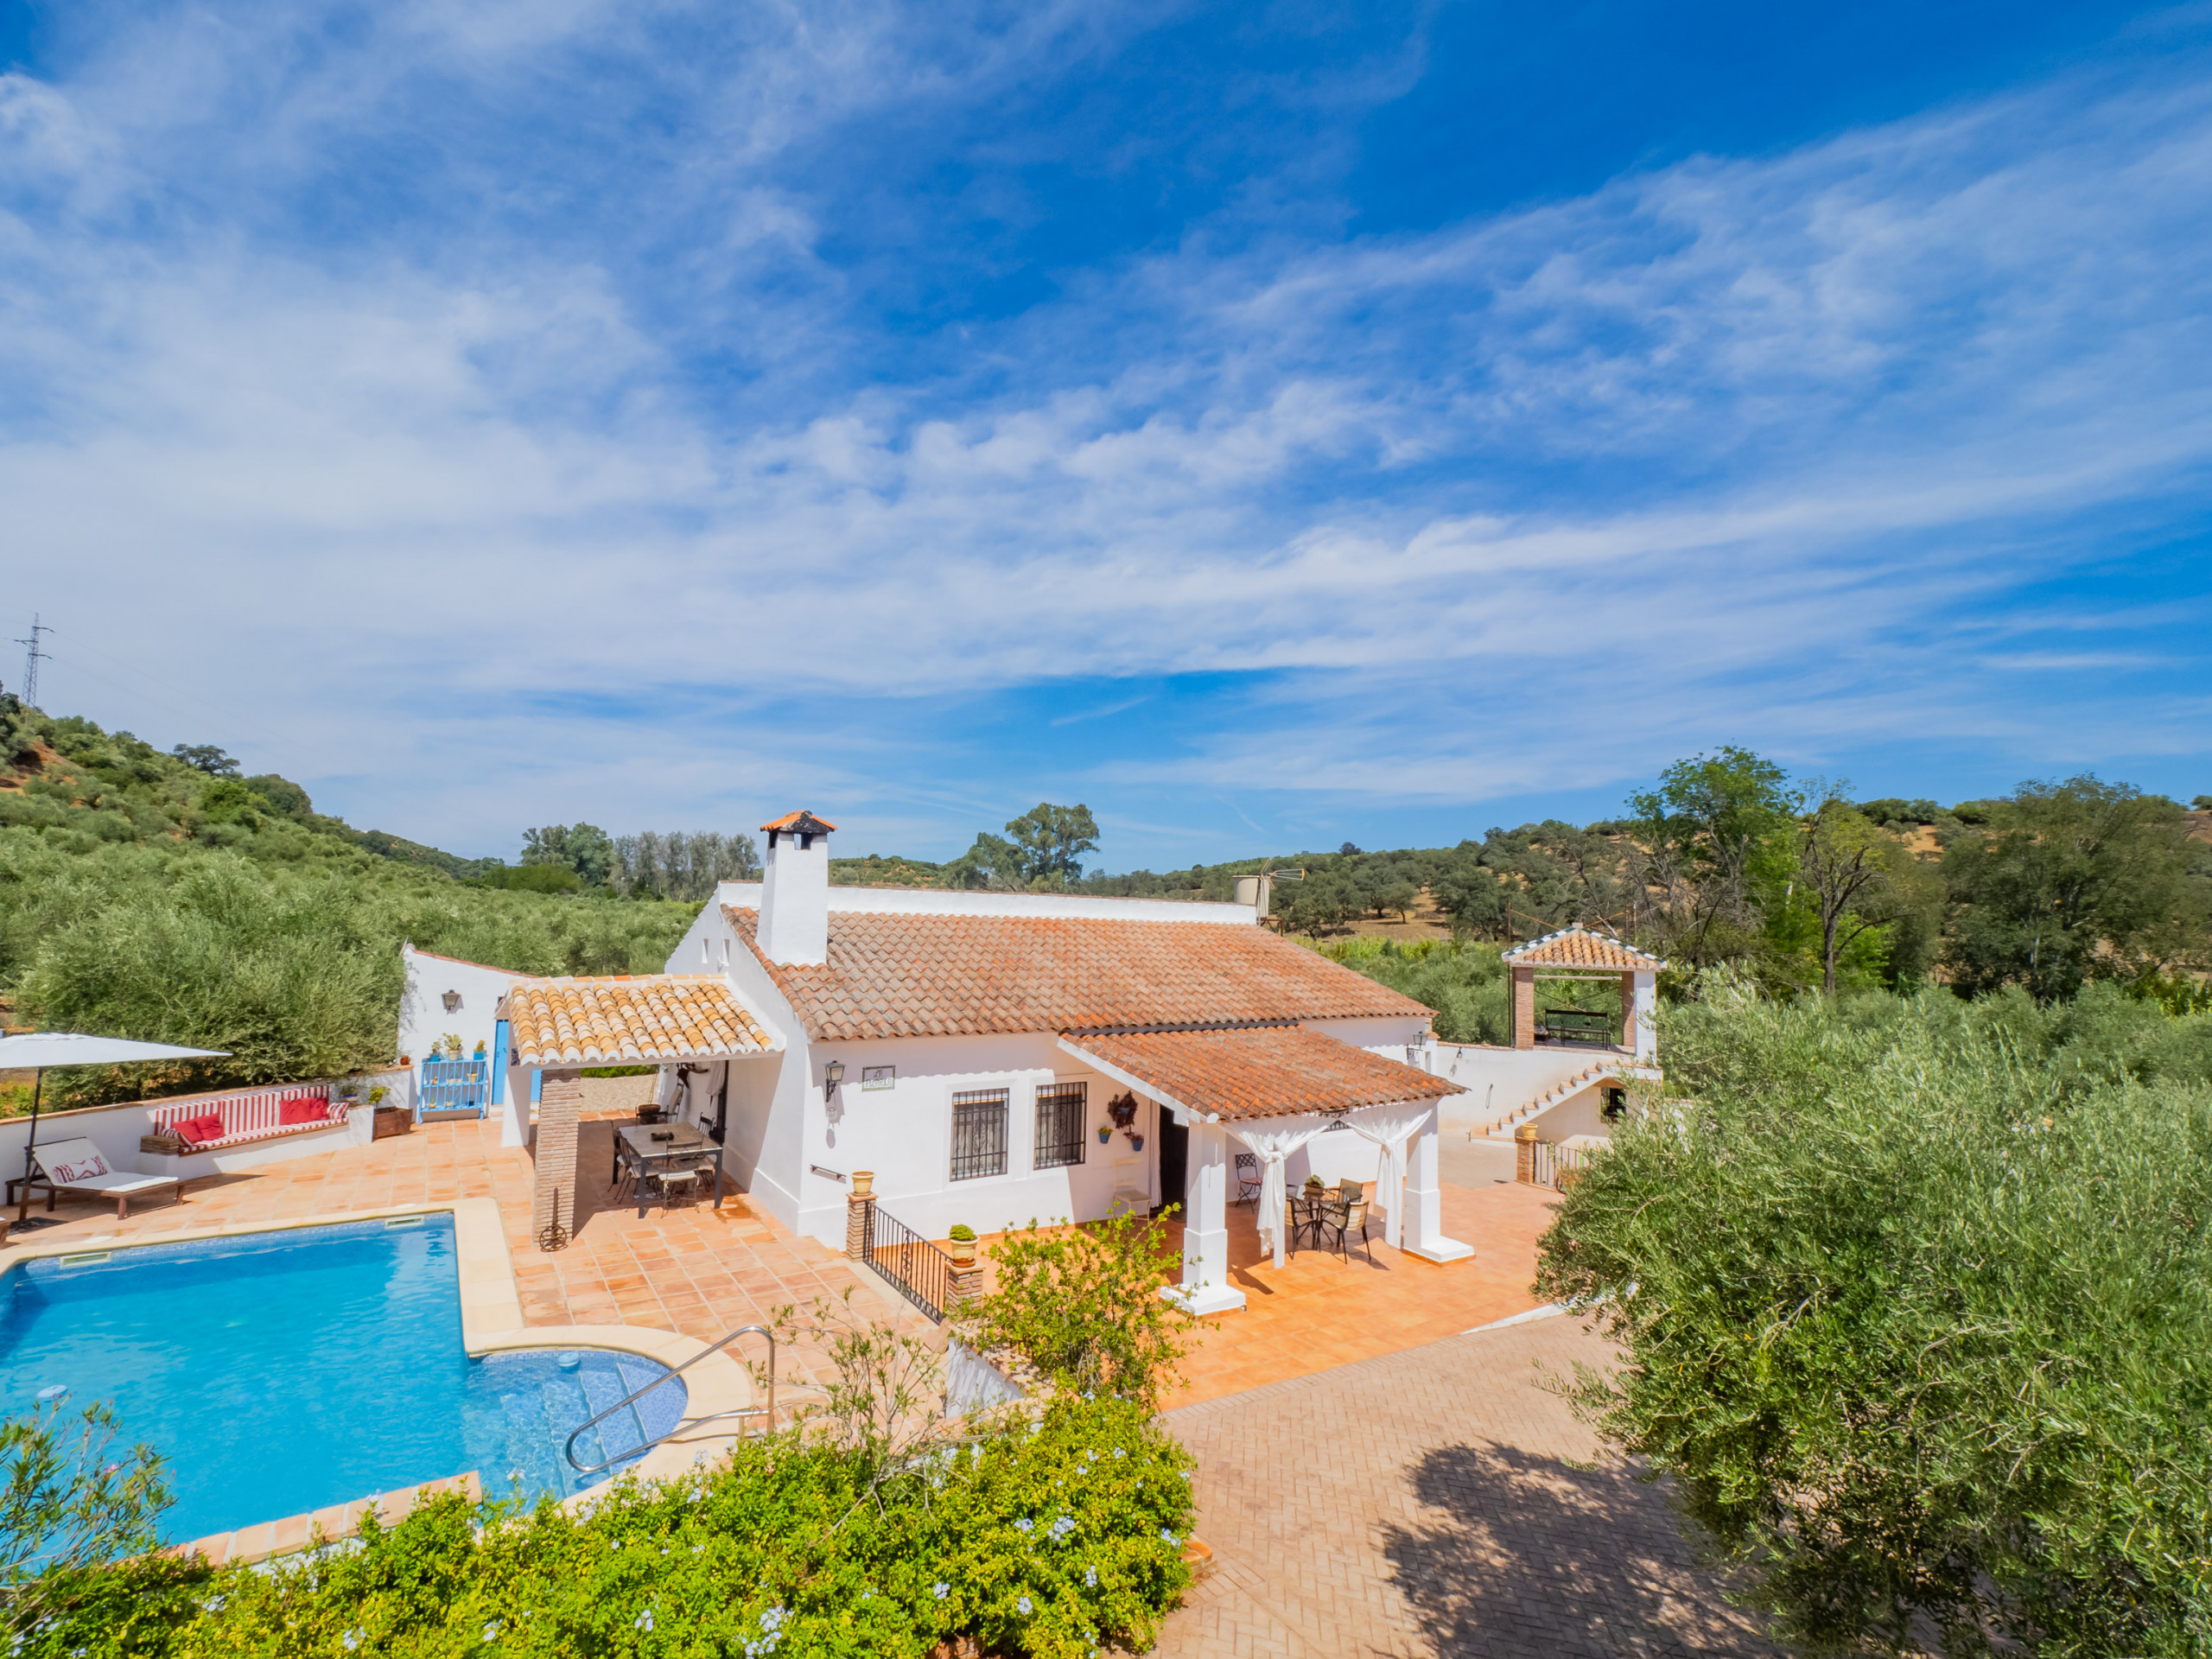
<point>38,1050</point>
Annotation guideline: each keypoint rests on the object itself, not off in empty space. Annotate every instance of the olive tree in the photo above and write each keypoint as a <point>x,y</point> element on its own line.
<point>1918,1331</point>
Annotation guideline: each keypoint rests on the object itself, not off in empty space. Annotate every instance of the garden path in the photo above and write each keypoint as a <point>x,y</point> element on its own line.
<point>1437,1503</point>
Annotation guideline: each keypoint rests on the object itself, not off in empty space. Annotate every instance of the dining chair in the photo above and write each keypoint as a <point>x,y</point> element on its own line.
<point>1344,1215</point>
<point>1248,1177</point>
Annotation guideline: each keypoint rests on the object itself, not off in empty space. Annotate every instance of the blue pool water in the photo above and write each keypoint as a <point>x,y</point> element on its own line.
<point>279,1373</point>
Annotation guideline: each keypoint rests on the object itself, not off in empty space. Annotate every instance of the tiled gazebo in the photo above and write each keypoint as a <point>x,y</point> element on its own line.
<point>1575,953</point>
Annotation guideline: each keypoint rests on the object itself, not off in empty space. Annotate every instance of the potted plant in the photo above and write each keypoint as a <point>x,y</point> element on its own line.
<point>963,1245</point>
<point>387,1120</point>
<point>1105,1133</point>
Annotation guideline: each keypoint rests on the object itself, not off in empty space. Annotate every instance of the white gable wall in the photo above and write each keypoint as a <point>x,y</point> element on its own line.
<point>423,1015</point>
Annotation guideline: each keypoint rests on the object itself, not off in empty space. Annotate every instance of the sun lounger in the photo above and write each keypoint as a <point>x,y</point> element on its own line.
<point>79,1167</point>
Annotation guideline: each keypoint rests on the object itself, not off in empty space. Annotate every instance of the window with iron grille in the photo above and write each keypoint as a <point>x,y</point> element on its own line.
<point>1060,1125</point>
<point>978,1133</point>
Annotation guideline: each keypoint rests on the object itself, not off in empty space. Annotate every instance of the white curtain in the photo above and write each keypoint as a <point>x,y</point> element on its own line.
<point>1389,1128</point>
<point>1272,1144</point>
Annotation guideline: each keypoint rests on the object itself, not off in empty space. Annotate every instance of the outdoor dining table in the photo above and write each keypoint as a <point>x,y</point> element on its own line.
<point>687,1147</point>
<point>1306,1216</point>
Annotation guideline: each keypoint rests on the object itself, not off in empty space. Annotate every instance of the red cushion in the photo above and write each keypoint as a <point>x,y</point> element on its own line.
<point>311,1110</point>
<point>208,1126</point>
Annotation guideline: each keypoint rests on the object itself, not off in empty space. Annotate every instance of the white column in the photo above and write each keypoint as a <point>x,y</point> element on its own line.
<point>1424,1230</point>
<point>1205,1287</point>
<point>1645,1040</point>
<point>514,1113</point>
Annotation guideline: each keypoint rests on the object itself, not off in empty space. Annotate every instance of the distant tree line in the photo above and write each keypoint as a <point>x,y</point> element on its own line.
<point>1727,859</point>
<point>569,857</point>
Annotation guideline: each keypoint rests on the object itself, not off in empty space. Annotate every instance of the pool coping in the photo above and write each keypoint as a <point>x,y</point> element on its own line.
<point>492,1322</point>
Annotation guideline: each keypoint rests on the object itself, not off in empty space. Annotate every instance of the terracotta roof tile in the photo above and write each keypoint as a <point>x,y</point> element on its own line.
<point>628,1019</point>
<point>1576,947</point>
<point>1255,1072</point>
<point>900,975</point>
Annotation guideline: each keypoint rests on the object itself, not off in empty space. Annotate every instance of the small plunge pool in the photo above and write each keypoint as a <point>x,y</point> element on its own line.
<point>279,1373</point>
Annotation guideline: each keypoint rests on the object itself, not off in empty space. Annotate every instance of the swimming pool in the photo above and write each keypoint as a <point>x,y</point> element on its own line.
<point>282,1372</point>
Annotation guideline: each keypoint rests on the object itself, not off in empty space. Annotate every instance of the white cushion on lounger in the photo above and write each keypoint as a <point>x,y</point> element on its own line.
<point>79,1167</point>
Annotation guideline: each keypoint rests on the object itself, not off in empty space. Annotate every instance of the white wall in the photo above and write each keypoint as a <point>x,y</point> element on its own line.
<point>1500,1080</point>
<point>938,901</point>
<point>1580,1113</point>
<point>422,1016</point>
<point>903,1133</point>
<point>116,1131</point>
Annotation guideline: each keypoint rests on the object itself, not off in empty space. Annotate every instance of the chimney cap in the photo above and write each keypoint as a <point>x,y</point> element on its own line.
<point>802,824</point>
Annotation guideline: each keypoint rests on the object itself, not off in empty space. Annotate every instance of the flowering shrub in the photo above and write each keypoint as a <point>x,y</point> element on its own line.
<point>1083,1305</point>
<point>1055,1537</point>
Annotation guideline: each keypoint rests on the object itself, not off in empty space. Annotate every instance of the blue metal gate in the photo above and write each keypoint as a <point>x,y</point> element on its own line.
<point>449,1088</point>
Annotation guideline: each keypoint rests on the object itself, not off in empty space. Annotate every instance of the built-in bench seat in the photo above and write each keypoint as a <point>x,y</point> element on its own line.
<point>240,1120</point>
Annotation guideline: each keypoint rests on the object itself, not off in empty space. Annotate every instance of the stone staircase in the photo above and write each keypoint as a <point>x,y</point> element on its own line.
<point>1502,1128</point>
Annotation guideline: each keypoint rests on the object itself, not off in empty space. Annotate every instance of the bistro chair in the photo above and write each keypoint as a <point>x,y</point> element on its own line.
<point>1248,1179</point>
<point>1341,1214</point>
<point>674,1183</point>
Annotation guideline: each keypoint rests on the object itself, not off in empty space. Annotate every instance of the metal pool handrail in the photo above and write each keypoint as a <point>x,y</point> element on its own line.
<point>569,1451</point>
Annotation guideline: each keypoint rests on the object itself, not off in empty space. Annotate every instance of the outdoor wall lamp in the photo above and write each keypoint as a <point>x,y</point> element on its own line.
<point>453,1001</point>
<point>832,1075</point>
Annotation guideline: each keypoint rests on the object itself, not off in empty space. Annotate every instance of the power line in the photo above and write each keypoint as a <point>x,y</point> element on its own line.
<point>33,657</point>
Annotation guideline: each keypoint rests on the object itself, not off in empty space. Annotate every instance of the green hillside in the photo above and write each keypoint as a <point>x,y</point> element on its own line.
<point>145,895</point>
<point>165,896</point>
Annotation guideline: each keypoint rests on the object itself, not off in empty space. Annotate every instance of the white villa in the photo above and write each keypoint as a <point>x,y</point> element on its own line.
<point>992,1058</point>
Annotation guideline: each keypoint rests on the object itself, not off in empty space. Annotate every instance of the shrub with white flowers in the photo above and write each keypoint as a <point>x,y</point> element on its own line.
<point>1057,1533</point>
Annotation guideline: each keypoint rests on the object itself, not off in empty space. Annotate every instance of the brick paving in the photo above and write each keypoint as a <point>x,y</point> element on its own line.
<point>1439,1501</point>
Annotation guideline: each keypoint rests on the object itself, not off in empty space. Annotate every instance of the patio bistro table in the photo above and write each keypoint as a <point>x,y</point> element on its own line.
<point>1305,1216</point>
<point>689,1148</point>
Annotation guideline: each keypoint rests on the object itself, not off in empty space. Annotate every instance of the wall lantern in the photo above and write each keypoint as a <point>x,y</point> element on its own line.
<point>832,1075</point>
<point>453,1001</point>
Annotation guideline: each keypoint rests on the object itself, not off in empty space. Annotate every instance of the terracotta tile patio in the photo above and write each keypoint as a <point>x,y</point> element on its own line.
<point>693,1269</point>
<point>703,1272</point>
<point>1320,1310</point>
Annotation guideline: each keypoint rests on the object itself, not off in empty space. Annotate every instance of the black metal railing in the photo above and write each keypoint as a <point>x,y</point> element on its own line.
<point>1062,1122</point>
<point>921,1272</point>
<point>978,1133</point>
<point>1574,1026</point>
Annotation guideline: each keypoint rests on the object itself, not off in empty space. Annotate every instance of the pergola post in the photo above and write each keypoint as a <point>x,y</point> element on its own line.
<point>553,1192</point>
<point>1523,1005</point>
<point>1640,1006</point>
<point>1424,1231</point>
<point>1205,1287</point>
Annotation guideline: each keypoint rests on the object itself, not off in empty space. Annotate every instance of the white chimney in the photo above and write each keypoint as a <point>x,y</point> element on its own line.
<point>795,891</point>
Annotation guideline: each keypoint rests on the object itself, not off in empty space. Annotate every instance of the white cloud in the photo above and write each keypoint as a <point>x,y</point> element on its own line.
<point>1776,428</point>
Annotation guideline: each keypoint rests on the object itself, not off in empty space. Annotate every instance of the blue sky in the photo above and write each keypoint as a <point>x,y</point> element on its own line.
<point>1270,425</point>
